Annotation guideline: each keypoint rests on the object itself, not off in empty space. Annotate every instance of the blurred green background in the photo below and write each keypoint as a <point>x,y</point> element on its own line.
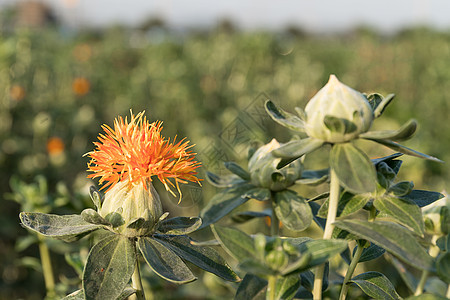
<point>57,87</point>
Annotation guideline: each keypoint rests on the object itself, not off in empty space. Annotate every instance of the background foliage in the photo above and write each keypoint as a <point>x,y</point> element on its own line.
<point>57,88</point>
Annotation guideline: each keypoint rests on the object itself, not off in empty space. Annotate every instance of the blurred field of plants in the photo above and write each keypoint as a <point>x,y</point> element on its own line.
<point>57,88</point>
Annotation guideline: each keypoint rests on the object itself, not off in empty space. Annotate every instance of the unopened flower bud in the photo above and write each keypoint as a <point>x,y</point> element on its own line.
<point>263,169</point>
<point>337,113</point>
<point>437,220</point>
<point>139,207</point>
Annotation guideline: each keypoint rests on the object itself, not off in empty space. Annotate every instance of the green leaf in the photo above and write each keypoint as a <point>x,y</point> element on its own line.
<point>339,125</point>
<point>295,149</point>
<point>353,168</point>
<point>109,267</point>
<point>67,228</point>
<point>370,253</point>
<point>223,181</point>
<point>223,203</point>
<point>403,133</point>
<point>164,261</point>
<point>405,150</point>
<point>314,177</point>
<point>427,296</point>
<point>402,188</point>
<point>127,292</point>
<point>93,217</point>
<point>77,295</point>
<point>203,257</point>
<point>96,197</point>
<point>404,211</point>
<point>381,106</point>
<point>348,204</point>
<point>374,100</point>
<point>392,237</point>
<point>321,250</point>
<point>23,242</point>
<point>376,285</point>
<point>237,243</point>
<point>257,193</point>
<point>387,159</point>
<point>253,266</point>
<point>237,169</point>
<point>443,266</point>
<point>292,210</point>
<point>251,288</point>
<point>444,243</point>
<point>179,225</point>
<point>407,277</point>
<point>242,217</point>
<point>423,198</point>
<point>286,286</point>
<point>284,118</point>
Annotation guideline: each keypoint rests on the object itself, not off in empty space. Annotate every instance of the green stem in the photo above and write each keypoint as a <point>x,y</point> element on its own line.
<point>434,251</point>
<point>270,295</point>
<point>274,222</point>
<point>421,284</point>
<point>331,218</point>
<point>350,271</point>
<point>137,282</point>
<point>47,269</point>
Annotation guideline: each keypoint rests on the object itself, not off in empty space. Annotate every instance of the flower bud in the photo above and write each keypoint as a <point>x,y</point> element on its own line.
<point>138,206</point>
<point>437,220</point>
<point>263,169</point>
<point>337,113</point>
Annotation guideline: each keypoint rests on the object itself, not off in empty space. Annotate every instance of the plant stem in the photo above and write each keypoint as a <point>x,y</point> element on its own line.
<point>46,267</point>
<point>331,218</point>
<point>274,222</point>
<point>448,292</point>
<point>421,284</point>
<point>137,283</point>
<point>350,271</point>
<point>270,295</point>
<point>434,251</point>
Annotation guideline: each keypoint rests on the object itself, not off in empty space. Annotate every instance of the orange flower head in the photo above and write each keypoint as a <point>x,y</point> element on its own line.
<point>81,86</point>
<point>136,151</point>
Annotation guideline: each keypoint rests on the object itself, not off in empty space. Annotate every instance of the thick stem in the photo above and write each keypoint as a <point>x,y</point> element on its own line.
<point>270,294</point>
<point>350,271</point>
<point>46,267</point>
<point>274,222</point>
<point>448,292</point>
<point>331,218</point>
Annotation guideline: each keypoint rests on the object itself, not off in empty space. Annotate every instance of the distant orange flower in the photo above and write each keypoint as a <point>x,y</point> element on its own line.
<point>55,145</point>
<point>17,92</point>
<point>81,86</point>
<point>136,151</point>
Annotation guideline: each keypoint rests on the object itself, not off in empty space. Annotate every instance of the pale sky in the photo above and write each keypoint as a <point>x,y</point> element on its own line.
<point>312,15</point>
